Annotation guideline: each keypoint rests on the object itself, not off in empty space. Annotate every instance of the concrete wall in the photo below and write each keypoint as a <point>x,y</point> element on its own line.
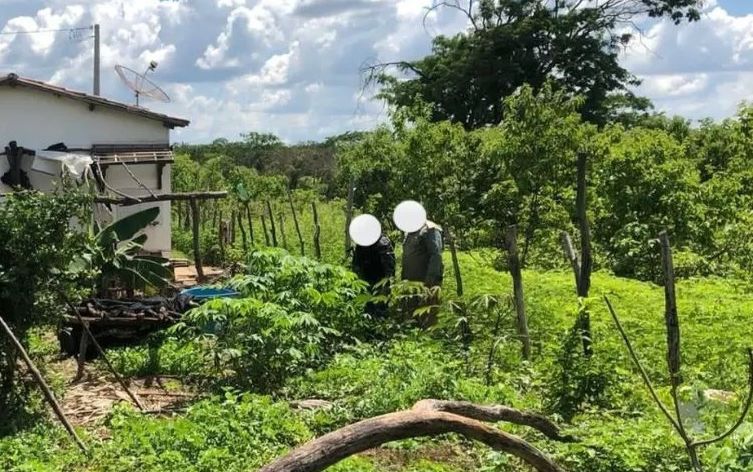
<point>37,120</point>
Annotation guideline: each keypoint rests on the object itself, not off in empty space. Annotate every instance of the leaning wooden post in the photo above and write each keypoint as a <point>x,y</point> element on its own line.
<point>282,230</point>
<point>90,336</point>
<point>317,232</point>
<point>455,263</point>
<point>221,230</point>
<point>297,226</point>
<point>43,385</point>
<point>196,222</point>
<point>511,242</point>
<point>250,224</point>
<point>670,312</point>
<point>232,227</point>
<point>272,224</point>
<point>243,231</point>
<point>83,346</point>
<point>264,228</point>
<point>349,217</point>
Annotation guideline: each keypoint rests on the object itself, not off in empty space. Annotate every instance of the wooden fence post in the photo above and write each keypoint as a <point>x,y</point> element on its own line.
<point>317,232</point>
<point>196,222</point>
<point>244,240</point>
<point>349,217</point>
<point>272,224</point>
<point>250,224</point>
<point>221,233</point>
<point>511,242</point>
<point>281,216</point>
<point>297,226</point>
<point>455,263</point>
<point>264,228</point>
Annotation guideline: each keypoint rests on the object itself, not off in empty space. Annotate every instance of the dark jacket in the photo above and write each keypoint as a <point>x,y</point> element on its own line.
<point>376,262</point>
<point>422,256</point>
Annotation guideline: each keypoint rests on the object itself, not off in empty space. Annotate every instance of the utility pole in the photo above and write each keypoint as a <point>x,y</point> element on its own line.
<point>96,59</point>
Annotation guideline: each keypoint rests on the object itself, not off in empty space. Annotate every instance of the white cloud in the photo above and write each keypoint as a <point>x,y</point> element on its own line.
<point>292,66</point>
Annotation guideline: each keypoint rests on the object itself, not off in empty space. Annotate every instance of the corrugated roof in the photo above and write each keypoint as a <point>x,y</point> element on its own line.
<point>14,80</point>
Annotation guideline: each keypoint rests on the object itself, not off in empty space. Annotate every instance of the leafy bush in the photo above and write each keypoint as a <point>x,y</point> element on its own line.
<point>294,313</point>
<point>38,243</point>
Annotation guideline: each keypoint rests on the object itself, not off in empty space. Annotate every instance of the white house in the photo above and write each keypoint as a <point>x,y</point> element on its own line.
<point>43,118</point>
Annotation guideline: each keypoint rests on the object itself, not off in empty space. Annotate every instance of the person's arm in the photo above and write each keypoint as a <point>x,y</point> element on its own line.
<point>435,269</point>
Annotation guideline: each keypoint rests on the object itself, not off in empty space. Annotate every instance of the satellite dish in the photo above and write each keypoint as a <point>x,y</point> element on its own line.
<point>140,85</point>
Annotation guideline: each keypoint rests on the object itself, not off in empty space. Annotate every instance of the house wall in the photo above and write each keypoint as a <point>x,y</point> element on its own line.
<point>37,120</point>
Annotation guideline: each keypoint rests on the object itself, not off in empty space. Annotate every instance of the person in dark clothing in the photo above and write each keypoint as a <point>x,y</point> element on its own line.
<point>373,264</point>
<point>422,262</point>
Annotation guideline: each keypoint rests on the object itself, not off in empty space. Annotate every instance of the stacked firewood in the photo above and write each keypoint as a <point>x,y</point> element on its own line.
<point>157,309</point>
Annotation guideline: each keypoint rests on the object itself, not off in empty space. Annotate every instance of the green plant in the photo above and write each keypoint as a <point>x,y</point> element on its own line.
<point>294,313</point>
<point>38,243</point>
<point>115,252</point>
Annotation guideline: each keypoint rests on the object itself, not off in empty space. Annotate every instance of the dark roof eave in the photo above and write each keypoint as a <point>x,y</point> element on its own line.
<point>169,121</point>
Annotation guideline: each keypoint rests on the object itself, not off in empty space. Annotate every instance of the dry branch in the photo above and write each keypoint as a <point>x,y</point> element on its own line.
<point>424,419</point>
<point>43,385</point>
<point>165,197</point>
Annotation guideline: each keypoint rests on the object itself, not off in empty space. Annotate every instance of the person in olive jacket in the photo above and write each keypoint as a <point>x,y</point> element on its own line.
<point>422,262</point>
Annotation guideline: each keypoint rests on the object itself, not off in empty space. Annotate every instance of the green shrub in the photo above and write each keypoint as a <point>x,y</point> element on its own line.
<point>294,314</point>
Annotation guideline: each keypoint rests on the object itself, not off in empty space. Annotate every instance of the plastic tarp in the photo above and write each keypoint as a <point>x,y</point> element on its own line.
<point>53,163</point>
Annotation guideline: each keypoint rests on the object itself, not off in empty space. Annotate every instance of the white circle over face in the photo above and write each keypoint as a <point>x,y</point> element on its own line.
<point>365,230</point>
<point>409,216</point>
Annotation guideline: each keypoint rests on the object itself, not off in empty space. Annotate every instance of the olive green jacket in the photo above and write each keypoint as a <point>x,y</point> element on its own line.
<point>422,256</point>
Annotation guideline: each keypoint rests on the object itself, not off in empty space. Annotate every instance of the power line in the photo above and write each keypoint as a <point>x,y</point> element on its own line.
<point>4,33</point>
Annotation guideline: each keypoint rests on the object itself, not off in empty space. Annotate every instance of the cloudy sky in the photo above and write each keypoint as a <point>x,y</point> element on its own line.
<point>291,67</point>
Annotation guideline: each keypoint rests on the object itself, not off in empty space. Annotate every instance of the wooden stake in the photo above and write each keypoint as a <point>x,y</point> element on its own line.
<point>349,217</point>
<point>455,263</point>
<point>195,221</point>
<point>317,232</point>
<point>243,231</point>
<point>221,232</point>
<point>43,385</point>
<point>297,226</point>
<point>232,227</point>
<point>272,224</point>
<point>250,224</point>
<point>264,228</point>
<point>511,241</point>
<point>81,359</point>
<point>670,312</point>
<point>89,335</point>
<point>282,231</point>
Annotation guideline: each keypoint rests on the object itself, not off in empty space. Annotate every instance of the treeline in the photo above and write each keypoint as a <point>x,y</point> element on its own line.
<point>647,174</point>
<point>654,173</point>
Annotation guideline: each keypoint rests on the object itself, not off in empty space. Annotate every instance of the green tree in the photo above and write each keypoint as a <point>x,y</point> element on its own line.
<point>38,244</point>
<point>515,42</point>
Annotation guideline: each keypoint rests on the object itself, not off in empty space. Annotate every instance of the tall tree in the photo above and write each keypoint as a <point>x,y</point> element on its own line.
<point>515,42</point>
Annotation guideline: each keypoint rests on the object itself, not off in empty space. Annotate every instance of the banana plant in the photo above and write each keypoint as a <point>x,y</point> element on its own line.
<point>116,254</point>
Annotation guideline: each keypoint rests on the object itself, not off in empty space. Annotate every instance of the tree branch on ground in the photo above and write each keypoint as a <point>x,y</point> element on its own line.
<point>426,418</point>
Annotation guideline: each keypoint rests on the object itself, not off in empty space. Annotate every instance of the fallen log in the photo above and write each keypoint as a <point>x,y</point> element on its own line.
<point>426,418</point>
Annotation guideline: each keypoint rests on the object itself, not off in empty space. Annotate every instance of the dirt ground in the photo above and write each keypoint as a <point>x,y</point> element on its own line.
<point>93,397</point>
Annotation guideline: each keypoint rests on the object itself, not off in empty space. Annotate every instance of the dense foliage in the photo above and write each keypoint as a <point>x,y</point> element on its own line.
<point>293,314</point>
<point>658,173</point>
<point>38,244</point>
